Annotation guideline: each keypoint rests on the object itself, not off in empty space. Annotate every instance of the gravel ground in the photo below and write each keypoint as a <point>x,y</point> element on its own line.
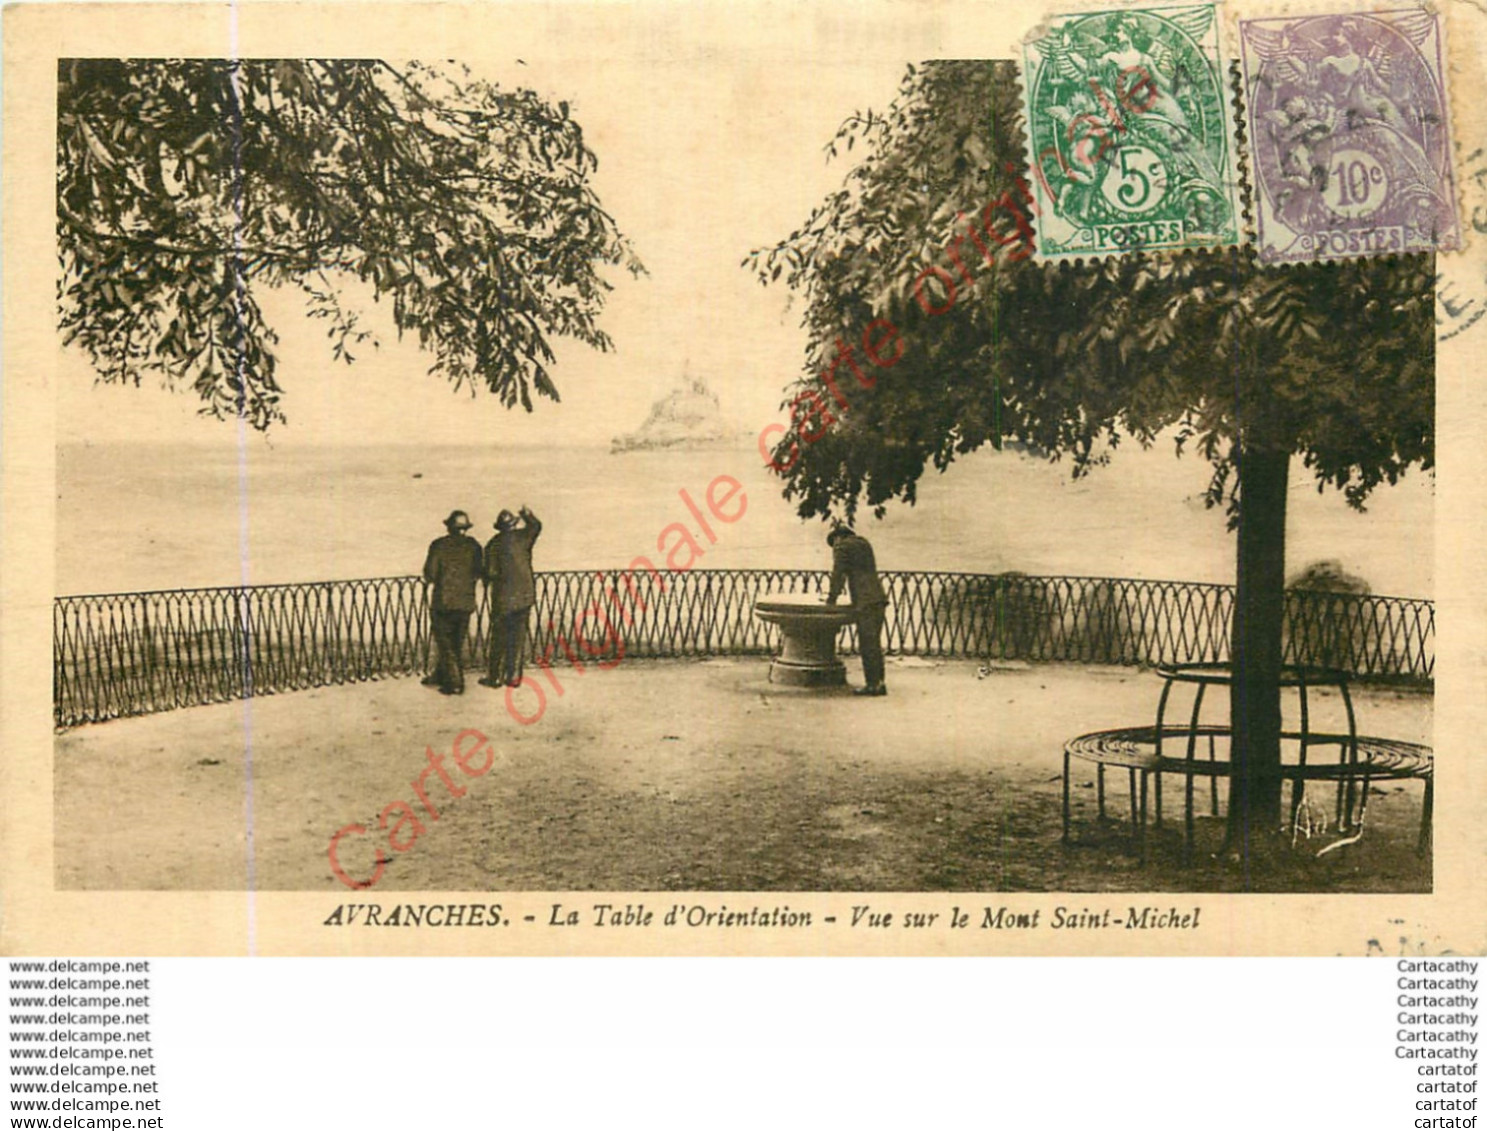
<point>690,776</point>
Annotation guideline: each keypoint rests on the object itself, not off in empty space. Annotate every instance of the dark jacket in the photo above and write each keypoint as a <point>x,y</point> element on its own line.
<point>853,565</point>
<point>508,567</point>
<point>453,567</point>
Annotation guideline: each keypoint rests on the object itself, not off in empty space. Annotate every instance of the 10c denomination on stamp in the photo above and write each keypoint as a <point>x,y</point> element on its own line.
<point>1349,135</point>
<point>1129,133</point>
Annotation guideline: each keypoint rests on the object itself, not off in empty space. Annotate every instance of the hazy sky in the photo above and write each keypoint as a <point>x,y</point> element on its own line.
<point>703,156</point>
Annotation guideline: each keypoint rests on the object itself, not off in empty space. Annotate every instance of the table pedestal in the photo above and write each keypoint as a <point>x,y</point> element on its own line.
<point>808,631</point>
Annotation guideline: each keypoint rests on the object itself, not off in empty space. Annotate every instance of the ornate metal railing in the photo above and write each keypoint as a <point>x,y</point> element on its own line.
<point>134,653</point>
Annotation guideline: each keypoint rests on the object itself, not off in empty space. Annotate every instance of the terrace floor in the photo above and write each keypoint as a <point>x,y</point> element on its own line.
<point>678,775</point>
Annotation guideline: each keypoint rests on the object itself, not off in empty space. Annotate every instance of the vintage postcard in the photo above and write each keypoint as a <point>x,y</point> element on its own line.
<point>841,478</point>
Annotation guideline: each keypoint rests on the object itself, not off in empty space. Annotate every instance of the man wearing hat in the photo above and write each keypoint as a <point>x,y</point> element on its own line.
<point>512,591</point>
<point>853,566</point>
<point>452,568</point>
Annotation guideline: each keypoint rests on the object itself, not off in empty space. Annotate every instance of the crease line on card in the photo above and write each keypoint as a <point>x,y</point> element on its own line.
<point>244,535</point>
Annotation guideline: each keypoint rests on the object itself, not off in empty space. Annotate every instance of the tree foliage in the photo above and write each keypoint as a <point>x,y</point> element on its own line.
<point>185,187</point>
<point>1332,361</point>
<point>932,233</point>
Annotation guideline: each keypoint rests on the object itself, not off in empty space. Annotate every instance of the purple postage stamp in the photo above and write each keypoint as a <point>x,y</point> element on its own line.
<point>1349,135</point>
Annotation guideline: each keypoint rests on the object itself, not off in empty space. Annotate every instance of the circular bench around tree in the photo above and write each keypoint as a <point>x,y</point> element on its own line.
<point>1135,750</point>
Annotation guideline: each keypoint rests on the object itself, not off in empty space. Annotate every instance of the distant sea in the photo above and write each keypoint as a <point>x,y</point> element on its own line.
<point>155,516</point>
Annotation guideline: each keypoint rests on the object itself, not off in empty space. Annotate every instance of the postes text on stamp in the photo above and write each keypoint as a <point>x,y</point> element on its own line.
<point>1349,134</point>
<point>1129,139</point>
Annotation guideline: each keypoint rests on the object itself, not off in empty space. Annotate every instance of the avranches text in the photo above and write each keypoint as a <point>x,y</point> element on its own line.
<point>862,916</point>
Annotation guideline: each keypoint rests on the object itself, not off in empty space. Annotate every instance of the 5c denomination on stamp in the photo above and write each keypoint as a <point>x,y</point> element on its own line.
<point>1129,139</point>
<point>1349,134</point>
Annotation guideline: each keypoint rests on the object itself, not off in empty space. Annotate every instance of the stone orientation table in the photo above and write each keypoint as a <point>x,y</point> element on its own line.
<point>808,628</point>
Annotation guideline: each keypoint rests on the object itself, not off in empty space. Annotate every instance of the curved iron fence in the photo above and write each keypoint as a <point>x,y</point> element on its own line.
<point>134,653</point>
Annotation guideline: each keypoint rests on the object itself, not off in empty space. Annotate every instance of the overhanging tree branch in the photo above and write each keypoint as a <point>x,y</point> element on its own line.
<point>170,172</point>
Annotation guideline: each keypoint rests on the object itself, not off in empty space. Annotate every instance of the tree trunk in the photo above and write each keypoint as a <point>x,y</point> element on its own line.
<point>1255,648</point>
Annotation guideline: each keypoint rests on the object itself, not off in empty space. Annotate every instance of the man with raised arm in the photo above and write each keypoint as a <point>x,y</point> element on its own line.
<point>512,591</point>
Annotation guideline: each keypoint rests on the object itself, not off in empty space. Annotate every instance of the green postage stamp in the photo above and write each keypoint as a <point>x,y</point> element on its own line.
<point>1129,133</point>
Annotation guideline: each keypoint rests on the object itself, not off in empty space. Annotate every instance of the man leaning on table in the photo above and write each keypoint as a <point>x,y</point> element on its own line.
<point>853,566</point>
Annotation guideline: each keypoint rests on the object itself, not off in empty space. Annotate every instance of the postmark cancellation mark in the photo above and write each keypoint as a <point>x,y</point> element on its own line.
<point>1349,135</point>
